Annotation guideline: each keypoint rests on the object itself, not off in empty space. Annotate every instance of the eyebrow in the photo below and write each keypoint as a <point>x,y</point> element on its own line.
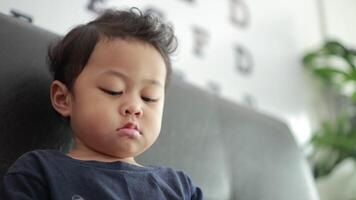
<point>125,77</point>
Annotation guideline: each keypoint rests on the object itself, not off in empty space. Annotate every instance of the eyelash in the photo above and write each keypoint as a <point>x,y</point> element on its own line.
<point>113,93</point>
<point>149,100</point>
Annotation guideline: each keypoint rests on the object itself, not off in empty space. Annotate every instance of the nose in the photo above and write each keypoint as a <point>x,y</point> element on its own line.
<point>131,108</point>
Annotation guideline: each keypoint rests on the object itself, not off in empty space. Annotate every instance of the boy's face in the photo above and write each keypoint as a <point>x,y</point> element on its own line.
<point>117,100</point>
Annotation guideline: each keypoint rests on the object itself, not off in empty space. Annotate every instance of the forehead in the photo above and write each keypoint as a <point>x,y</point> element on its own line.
<point>128,56</point>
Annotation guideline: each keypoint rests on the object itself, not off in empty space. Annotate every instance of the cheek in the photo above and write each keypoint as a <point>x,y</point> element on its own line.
<point>89,119</point>
<point>155,120</point>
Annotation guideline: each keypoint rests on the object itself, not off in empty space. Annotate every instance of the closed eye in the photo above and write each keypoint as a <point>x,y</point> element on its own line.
<point>110,92</point>
<point>147,99</point>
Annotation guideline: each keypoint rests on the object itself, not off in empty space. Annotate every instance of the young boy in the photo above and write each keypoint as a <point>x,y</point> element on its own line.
<point>109,83</point>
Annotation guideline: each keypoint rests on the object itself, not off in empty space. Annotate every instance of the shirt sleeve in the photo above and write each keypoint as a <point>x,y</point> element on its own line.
<point>19,186</point>
<point>197,194</point>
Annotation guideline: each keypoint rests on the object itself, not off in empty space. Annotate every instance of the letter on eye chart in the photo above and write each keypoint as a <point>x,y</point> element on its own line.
<point>239,13</point>
<point>243,60</point>
<point>201,39</point>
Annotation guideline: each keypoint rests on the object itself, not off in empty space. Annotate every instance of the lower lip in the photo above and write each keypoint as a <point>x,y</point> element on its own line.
<point>129,132</point>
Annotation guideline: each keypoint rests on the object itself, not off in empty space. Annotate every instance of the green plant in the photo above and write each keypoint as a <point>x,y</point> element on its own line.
<point>336,64</point>
<point>335,141</point>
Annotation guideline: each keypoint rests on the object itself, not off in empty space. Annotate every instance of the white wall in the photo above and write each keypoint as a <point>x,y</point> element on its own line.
<point>340,16</point>
<point>275,39</point>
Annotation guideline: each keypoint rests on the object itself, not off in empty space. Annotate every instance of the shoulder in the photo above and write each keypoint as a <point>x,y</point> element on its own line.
<point>168,171</point>
<point>178,174</point>
<point>32,161</point>
<point>180,180</point>
<point>26,178</point>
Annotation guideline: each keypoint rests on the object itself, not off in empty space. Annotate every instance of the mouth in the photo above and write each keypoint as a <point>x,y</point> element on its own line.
<point>130,126</point>
<point>130,130</point>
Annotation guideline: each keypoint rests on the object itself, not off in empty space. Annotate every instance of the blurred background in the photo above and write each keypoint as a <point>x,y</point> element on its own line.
<point>293,60</point>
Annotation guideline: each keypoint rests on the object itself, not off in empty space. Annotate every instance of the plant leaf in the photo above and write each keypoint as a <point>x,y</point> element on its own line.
<point>309,58</point>
<point>353,97</point>
<point>334,48</point>
<point>329,72</point>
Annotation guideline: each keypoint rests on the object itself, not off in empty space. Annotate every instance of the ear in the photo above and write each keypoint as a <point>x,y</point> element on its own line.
<point>61,98</point>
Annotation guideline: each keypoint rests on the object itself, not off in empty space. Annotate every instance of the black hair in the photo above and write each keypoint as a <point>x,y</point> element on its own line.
<point>69,55</point>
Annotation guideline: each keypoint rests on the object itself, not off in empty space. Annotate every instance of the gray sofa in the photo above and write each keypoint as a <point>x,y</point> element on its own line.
<point>231,152</point>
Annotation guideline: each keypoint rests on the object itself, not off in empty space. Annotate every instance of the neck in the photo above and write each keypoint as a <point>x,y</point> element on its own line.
<point>103,158</point>
<point>82,152</point>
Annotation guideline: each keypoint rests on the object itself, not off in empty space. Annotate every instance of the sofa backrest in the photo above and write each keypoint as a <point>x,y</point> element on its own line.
<point>27,121</point>
<point>265,160</point>
<point>231,152</point>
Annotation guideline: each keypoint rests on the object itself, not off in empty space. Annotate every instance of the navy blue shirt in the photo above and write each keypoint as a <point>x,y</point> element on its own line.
<point>48,174</point>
